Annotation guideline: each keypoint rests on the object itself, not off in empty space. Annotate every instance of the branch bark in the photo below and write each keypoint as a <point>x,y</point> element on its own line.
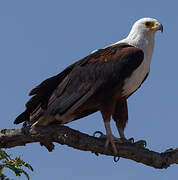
<point>64,135</point>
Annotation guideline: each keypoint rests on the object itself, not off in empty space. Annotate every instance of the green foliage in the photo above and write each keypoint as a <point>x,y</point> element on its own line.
<point>16,165</point>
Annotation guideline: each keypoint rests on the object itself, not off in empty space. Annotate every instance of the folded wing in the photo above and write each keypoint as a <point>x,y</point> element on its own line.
<point>68,90</point>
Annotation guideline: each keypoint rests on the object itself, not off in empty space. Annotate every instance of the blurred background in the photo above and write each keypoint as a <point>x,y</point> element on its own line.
<point>39,38</point>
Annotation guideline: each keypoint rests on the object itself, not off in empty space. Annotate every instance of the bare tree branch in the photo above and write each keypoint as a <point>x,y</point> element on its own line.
<point>64,135</point>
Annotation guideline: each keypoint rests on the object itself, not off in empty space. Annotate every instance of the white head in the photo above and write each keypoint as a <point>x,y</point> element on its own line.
<point>145,27</point>
<point>142,35</point>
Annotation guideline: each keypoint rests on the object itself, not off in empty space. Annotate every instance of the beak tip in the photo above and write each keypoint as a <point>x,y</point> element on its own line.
<point>161,28</point>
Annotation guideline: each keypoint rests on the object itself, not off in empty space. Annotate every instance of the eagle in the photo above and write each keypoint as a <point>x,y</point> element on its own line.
<point>101,81</point>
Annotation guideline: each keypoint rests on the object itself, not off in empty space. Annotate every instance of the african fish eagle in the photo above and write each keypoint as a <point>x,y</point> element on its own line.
<point>102,81</point>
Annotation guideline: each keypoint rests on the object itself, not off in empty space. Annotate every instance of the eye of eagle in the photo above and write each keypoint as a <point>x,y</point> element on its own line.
<point>149,24</point>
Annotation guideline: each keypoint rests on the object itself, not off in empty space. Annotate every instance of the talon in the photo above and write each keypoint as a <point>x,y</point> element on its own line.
<point>124,140</point>
<point>101,135</point>
<point>141,143</point>
<point>144,143</point>
<point>116,158</point>
<point>97,154</point>
<point>97,132</point>
<point>131,140</point>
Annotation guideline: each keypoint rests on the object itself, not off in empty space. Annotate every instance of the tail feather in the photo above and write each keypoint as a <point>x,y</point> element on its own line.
<point>22,117</point>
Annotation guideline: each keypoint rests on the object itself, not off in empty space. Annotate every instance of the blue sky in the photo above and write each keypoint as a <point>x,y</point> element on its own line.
<point>39,38</point>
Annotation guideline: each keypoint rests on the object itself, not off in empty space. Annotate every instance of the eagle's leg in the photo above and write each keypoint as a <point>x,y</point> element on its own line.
<point>120,116</point>
<point>121,132</point>
<point>122,135</point>
<point>141,143</point>
<point>109,136</point>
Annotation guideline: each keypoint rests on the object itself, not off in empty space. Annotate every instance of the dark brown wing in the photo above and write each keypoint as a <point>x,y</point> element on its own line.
<point>78,82</point>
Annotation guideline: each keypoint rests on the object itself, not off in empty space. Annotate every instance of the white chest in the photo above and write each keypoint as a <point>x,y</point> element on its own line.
<point>134,81</point>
